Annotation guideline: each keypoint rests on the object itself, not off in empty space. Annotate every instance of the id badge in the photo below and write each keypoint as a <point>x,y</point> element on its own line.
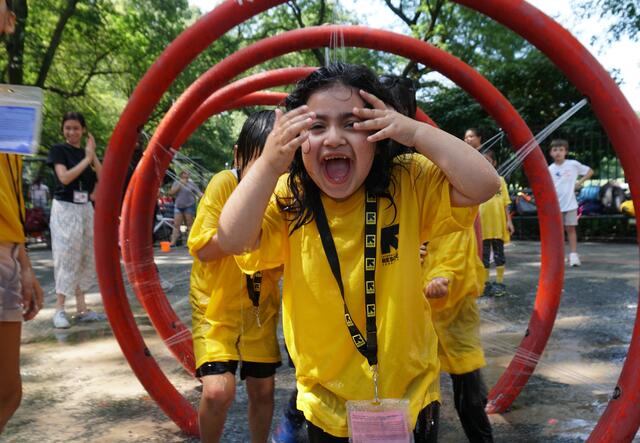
<point>386,421</point>
<point>80,196</point>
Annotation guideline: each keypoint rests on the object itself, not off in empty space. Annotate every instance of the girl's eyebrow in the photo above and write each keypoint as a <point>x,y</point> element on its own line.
<point>342,116</point>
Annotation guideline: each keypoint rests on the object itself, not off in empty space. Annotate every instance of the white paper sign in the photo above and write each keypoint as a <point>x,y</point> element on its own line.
<point>20,118</point>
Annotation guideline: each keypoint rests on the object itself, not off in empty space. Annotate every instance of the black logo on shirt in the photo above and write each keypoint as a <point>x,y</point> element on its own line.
<point>389,244</point>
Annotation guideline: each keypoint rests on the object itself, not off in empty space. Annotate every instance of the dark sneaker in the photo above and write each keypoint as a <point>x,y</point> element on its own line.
<point>488,289</point>
<point>499,290</point>
<point>288,432</point>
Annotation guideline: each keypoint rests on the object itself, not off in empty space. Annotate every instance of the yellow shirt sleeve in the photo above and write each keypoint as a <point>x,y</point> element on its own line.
<point>437,215</point>
<point>11,201</point>
<point>205,224</point>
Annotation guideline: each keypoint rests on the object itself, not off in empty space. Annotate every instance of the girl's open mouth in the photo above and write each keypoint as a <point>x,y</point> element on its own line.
<point>337,169</point>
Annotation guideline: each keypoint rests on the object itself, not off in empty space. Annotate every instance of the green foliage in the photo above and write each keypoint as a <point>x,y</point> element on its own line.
<point>625,15</point>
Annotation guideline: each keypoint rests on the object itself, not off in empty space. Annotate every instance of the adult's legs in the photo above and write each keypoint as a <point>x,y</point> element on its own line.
<point>218,392</point>
<point>261,404</point>
<point>11,385</point>
<point>188,217</point>
<point>470,399</point>
<point>178,219</point>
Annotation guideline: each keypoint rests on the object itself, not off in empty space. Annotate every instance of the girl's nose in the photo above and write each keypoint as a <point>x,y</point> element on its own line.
<point>333,137</point>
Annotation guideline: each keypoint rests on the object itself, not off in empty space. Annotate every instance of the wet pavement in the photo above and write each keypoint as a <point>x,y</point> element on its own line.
<point>78,387</point>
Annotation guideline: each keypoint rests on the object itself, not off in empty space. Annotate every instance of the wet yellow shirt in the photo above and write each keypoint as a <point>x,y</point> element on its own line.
<point>224,323</point>
<point>456,317</point>
<point>493,216</point>
<point>329,369</point>
<point>11,201</point>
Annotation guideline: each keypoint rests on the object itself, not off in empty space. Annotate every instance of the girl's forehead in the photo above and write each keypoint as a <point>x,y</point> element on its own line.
<point>71,123</point>
<point>335,100</point>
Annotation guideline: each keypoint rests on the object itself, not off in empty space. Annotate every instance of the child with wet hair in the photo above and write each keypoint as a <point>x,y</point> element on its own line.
<point>234,315</point>
<point>347,224</point>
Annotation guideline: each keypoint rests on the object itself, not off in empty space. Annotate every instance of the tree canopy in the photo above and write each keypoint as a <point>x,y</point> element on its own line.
<point>88,55</point>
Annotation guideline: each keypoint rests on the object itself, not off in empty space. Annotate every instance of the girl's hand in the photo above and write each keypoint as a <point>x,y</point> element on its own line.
<point>388,122</point>
<point>437,288</point>
<point>90,148</point>
<point>290,130</point>
<point>510,227</point>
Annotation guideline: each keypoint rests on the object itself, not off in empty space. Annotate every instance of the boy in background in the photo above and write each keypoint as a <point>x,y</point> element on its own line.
<point>565,173</point>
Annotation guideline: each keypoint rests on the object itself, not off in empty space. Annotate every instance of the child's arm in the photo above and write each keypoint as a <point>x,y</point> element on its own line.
<point>510,227</point>
<point>473,179</point>
<point>584,178</point>
<point>241,219</point>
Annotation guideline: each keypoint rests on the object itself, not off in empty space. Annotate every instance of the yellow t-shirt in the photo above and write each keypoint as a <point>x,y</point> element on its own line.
<point>224,323</point>
<point>329,369</point>
<point>493,216</point>
<point>456,317</point>
<point>11,200</point>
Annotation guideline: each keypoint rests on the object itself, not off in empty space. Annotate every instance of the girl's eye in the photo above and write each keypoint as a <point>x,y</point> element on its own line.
<point>316,126</point>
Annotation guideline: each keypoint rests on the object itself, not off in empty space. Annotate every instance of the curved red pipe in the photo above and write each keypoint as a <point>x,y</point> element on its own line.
<point>550,282</point>
<point>621,418</point>
<point>189,44</point>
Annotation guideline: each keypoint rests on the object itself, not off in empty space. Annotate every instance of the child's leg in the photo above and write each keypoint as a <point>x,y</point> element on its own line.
<point>11,386</point>
<point>498,258</point>
<point>427,425</point>
<point>570,220</point>
<point>470,399</point>
<point>261,403</point>
<point>260,378</point>
<point>486,254</point>
<point>218,392</point>
<point>572,236</point>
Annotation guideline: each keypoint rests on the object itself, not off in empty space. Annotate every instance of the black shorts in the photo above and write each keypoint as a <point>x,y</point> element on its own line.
<point>247,369</point>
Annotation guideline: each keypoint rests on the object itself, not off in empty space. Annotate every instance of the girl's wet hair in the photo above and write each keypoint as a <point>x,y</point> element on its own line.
<point>403,90</point>
<point>72,115</point>
<point>252,138</point>
<point>305,193</point>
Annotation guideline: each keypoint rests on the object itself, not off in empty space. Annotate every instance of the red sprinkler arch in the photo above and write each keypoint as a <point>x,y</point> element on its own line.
<point>621,419</point>
<point>482,90</point>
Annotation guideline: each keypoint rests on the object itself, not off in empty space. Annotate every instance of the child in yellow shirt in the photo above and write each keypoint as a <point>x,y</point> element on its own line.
<point>234,315</point>
<point>454,277</point>
<point>347,224</point>
<point>496,230</point>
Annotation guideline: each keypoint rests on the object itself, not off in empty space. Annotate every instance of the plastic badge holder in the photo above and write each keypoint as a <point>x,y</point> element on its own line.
<point>384,422</point>
<point>20,118</point>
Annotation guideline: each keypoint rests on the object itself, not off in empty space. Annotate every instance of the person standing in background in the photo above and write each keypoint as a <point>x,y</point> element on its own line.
<point>185,193</point>
<point>76,172</point>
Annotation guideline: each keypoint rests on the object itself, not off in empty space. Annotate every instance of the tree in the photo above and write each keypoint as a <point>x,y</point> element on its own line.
<point>625,15</point>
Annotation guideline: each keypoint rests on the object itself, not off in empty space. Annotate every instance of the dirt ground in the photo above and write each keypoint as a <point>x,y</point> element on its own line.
<point>78,386</point>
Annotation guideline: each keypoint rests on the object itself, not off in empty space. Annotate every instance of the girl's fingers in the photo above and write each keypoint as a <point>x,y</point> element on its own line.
<point>380,135</point>
<point>304,109</point>
<point>368,113</point>
<point>372,100</point>
<point>371,124</point>
<point>295,128</point>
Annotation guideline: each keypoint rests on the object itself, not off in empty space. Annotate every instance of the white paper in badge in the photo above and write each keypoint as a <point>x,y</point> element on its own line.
<point>80,197</point>
<point>20,118</point>
<point>387,421</point>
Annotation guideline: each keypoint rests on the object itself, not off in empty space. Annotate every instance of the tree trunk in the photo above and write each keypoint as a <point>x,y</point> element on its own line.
<point>15,44</point>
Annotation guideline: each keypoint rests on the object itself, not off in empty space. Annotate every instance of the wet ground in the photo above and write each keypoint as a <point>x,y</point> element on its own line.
<point>78,387</point>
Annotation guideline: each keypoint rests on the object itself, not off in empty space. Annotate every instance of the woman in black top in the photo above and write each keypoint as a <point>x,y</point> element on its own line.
<point>76,173</point>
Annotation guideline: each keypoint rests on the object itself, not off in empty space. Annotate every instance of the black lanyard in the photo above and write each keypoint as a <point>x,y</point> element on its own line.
<point>369,347</point>
<point>16,181</point>
<point>253,287</point>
